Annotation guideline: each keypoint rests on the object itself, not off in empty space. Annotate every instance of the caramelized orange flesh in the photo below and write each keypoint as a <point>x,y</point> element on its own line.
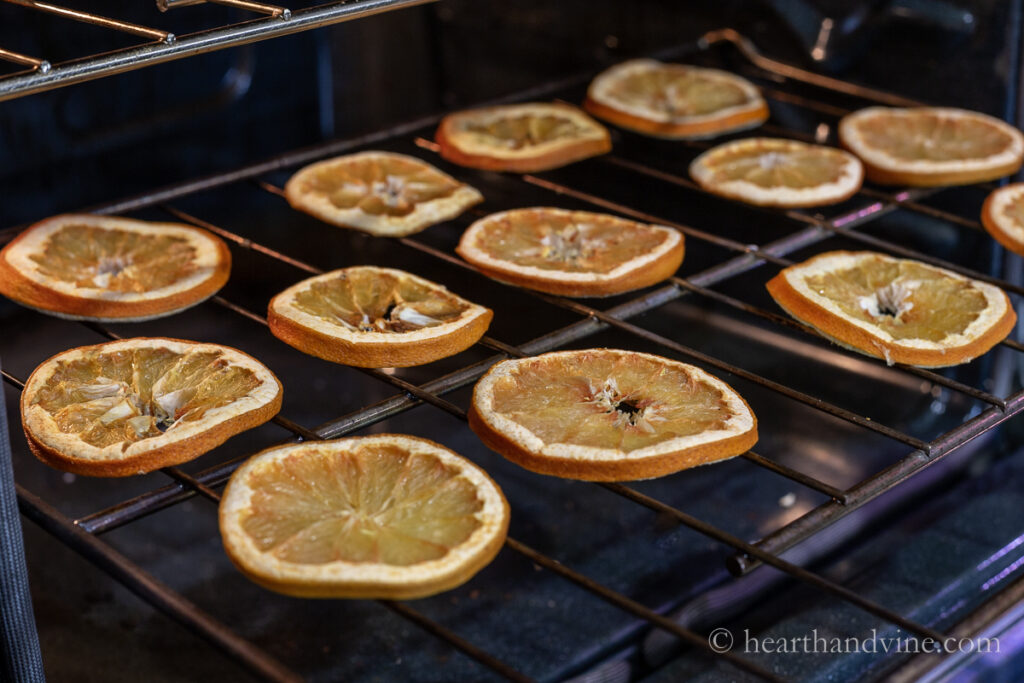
<point>115,260</point>
<point>131,395</point>
<point>907,300</point>
<point>557,242</point>
<point>676,92</point>
<point>617,403</point>
<point>930,137</point>
<point>383,186</point>
<point>372,301</point>
<point>374,503</point>
<point>767,167</point>
<point>517,132</point>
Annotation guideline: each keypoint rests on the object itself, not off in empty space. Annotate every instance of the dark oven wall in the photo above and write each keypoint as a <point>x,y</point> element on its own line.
<point>85,144</point>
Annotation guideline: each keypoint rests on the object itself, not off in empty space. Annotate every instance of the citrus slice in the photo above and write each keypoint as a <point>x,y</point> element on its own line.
<point>374,317</point>
<point>384,194</point>
<point>521,137</point>
<point>776,172</point>
<point>572,253</point>
<point>609,415</point>
<point>897,309</point>
<point>930,146</point>
<point>135,405</point>
<point>384,516</point>
<point>87,267</point>
<point>675,101</point>
<point>1003,216</point>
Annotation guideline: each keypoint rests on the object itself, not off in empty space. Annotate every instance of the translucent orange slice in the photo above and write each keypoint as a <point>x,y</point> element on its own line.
<point>135,405</point>
<point>573,253</point>
<point>375,317</point>
<point>931,145</point>
<point>901,310</point>
<point>675,101</point>
<point>609,415</point>
<point>385,516</point>
<point>105,268</point>
<point>776,172</point>
<point>382,193</point>
<point>521,137</point>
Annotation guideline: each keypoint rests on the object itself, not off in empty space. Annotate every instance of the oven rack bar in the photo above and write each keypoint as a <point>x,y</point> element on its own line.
<point>164,46</point>
<point>809,235</point>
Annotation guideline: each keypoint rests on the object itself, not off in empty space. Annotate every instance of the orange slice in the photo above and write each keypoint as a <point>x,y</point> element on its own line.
<point>572,253</point>
<point>897,309</point>
<point>87,267</point>
<point>384,194</point>
<point>775,172</point>
<point>608,415</point>
<point>675,101</point>
<point>521,137</point>
<point>373,317</point>
<point>384,516</point>
<point>135,405</point>
<point>930,146</point>
<point>1003,216</point>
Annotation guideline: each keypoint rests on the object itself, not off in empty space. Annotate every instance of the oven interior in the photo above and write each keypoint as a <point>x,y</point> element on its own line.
<point>881,497</point>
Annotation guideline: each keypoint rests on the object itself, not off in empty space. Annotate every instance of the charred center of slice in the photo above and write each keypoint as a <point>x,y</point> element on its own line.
<point>115,260</point>
<point>127,396</point>
<point>599,400</point>
<point>367,300</point>
<point>908,300</point>
<point>382,186</point>
<point>373,504</point>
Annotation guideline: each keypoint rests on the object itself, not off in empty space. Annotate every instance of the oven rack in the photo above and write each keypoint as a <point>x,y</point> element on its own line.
<point>82,534</point>
<point>162,46</point>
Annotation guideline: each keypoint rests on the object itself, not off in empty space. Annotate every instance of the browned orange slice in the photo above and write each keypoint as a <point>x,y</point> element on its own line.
<point>375,317</point>
<point>609,415</point>
<point>573,253</point>
<point>931,145</point>
<point>382,193</point>
<point>1003,216</point>
<point>135,405</point>
<point>105,268</point>
<point>776,172</point>
<point>901,310</point>
<point>675,101</point>
<point>521,137</point>
<point>384,516</point>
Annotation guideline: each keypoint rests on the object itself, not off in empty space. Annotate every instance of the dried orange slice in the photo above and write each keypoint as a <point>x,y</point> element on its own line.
<point>897,309</point>
<point>609,415</point>
<point>675,101</point>
<point>373,317</point>
<point>776,172</point>
<point>135,405</point>
<point>572,253</point>
<point>382,193</point>
<point>384,516</point>
<point>87,267</point>
<point>929,146</point>
<point>1003,216</point>
<point>521,137</point>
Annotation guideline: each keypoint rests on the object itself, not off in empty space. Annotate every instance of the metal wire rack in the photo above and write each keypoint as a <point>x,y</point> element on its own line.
<point>83,533</point>
<point>164,46</point>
